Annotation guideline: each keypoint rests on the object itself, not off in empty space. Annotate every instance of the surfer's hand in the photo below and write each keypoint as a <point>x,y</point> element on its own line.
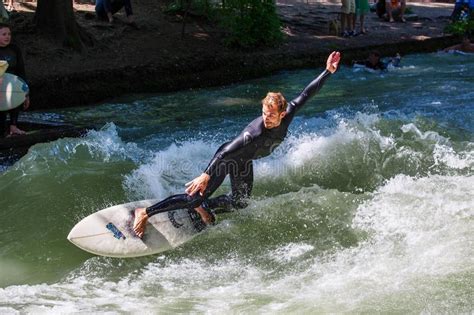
<point>26,104</point>
<point>333,61</point>
<point>199,184</point>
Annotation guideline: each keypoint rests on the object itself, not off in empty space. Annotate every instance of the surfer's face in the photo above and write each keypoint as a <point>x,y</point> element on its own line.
<point>272,117</point>
<point>273,109</point>
<point>5,36</point>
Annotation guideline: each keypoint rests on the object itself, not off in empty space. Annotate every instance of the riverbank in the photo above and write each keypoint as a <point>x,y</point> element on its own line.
<point>155,58</point>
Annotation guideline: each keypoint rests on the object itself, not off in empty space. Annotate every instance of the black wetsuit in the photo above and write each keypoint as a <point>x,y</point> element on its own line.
<point>235,158</point>
<point>378,66</point>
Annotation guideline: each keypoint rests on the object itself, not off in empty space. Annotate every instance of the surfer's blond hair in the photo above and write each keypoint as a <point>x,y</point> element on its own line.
<point>275,99</point>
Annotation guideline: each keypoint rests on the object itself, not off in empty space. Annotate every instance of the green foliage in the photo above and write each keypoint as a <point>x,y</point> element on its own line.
<point>461,27</point>
<point>248,23</point>
<point>197,7</point>
<point>251,23</point>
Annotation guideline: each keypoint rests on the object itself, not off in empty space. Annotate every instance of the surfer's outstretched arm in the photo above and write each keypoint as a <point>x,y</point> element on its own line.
<point>312,88</point>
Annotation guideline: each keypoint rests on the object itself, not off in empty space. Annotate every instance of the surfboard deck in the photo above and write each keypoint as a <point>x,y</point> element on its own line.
<point>109,232</point>
<point>13,91</point>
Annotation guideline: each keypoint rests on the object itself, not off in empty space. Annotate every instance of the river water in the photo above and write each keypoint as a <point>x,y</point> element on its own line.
<point>367,207</point>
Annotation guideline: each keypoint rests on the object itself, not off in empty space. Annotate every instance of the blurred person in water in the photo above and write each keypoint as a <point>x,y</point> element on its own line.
<point>465,46</point>
<point>374,61</point>
<point>235,158</point>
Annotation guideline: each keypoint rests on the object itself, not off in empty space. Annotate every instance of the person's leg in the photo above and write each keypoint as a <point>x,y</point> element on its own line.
<point>403,6</point>
<point>185,201</point>
<point>116,5</point>
<point>351,22</point>
<point>14,130</point>
<point>127,5</point>
<point>3,123</point>
<point>344,18</point>
<point>388,8</point>
<point>181,201</point>
<point>242,184</point>
<point>241,180</point>
<point>352,16</point>
<point>380,8</point>
<point>354,22</point>
<point>101,9</point>
<point>357,12</point>
<point>343,23</point>
<point>364,8</point>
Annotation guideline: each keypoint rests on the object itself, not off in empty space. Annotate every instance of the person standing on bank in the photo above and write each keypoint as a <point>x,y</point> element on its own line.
<point>11,53</point>
<point>105,9</point>
<point>235,158</point>
<point>362,8</point>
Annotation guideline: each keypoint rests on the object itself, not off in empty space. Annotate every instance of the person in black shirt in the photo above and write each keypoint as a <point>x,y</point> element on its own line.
<point>235,157</point>
<point>373,62</point>
<point>12,54</point>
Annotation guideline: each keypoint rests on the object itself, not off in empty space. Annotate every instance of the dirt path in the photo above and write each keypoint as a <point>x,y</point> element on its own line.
<point>155,58</point>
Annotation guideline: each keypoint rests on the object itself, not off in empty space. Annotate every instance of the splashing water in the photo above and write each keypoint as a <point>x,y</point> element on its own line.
<point>366,207</point>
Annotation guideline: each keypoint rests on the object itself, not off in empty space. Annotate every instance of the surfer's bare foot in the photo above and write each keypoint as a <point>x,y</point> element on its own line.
<point>14,130</point>
<point>140,221</point>
<point>205,216</point>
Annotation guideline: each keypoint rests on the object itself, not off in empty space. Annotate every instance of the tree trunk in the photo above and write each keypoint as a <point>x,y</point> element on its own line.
<point>186,10</point>
<point>56,17</point>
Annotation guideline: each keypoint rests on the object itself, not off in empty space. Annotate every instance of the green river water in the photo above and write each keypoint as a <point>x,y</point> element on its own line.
<point>367,207</point>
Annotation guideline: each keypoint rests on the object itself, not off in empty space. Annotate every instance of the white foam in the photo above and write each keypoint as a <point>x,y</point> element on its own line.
<point>419,239</point>
<point>103,145</point>
<point>106,143</point>
<point>290,252</point>
<point>169,169</point>
<point>428,135</point>
<point>444,154</point>
<point>353,146</point>
<point>420,233</point>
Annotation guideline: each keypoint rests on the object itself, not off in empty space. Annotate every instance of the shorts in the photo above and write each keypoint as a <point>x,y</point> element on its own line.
<point>348,6</point>
<point>362,7</point>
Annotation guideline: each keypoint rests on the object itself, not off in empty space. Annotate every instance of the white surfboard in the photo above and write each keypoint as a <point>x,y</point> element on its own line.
<point>13,91</point>
<point>108,232</point>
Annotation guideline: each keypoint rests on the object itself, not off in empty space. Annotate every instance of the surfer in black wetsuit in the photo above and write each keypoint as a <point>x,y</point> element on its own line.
<point>234,158</point>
